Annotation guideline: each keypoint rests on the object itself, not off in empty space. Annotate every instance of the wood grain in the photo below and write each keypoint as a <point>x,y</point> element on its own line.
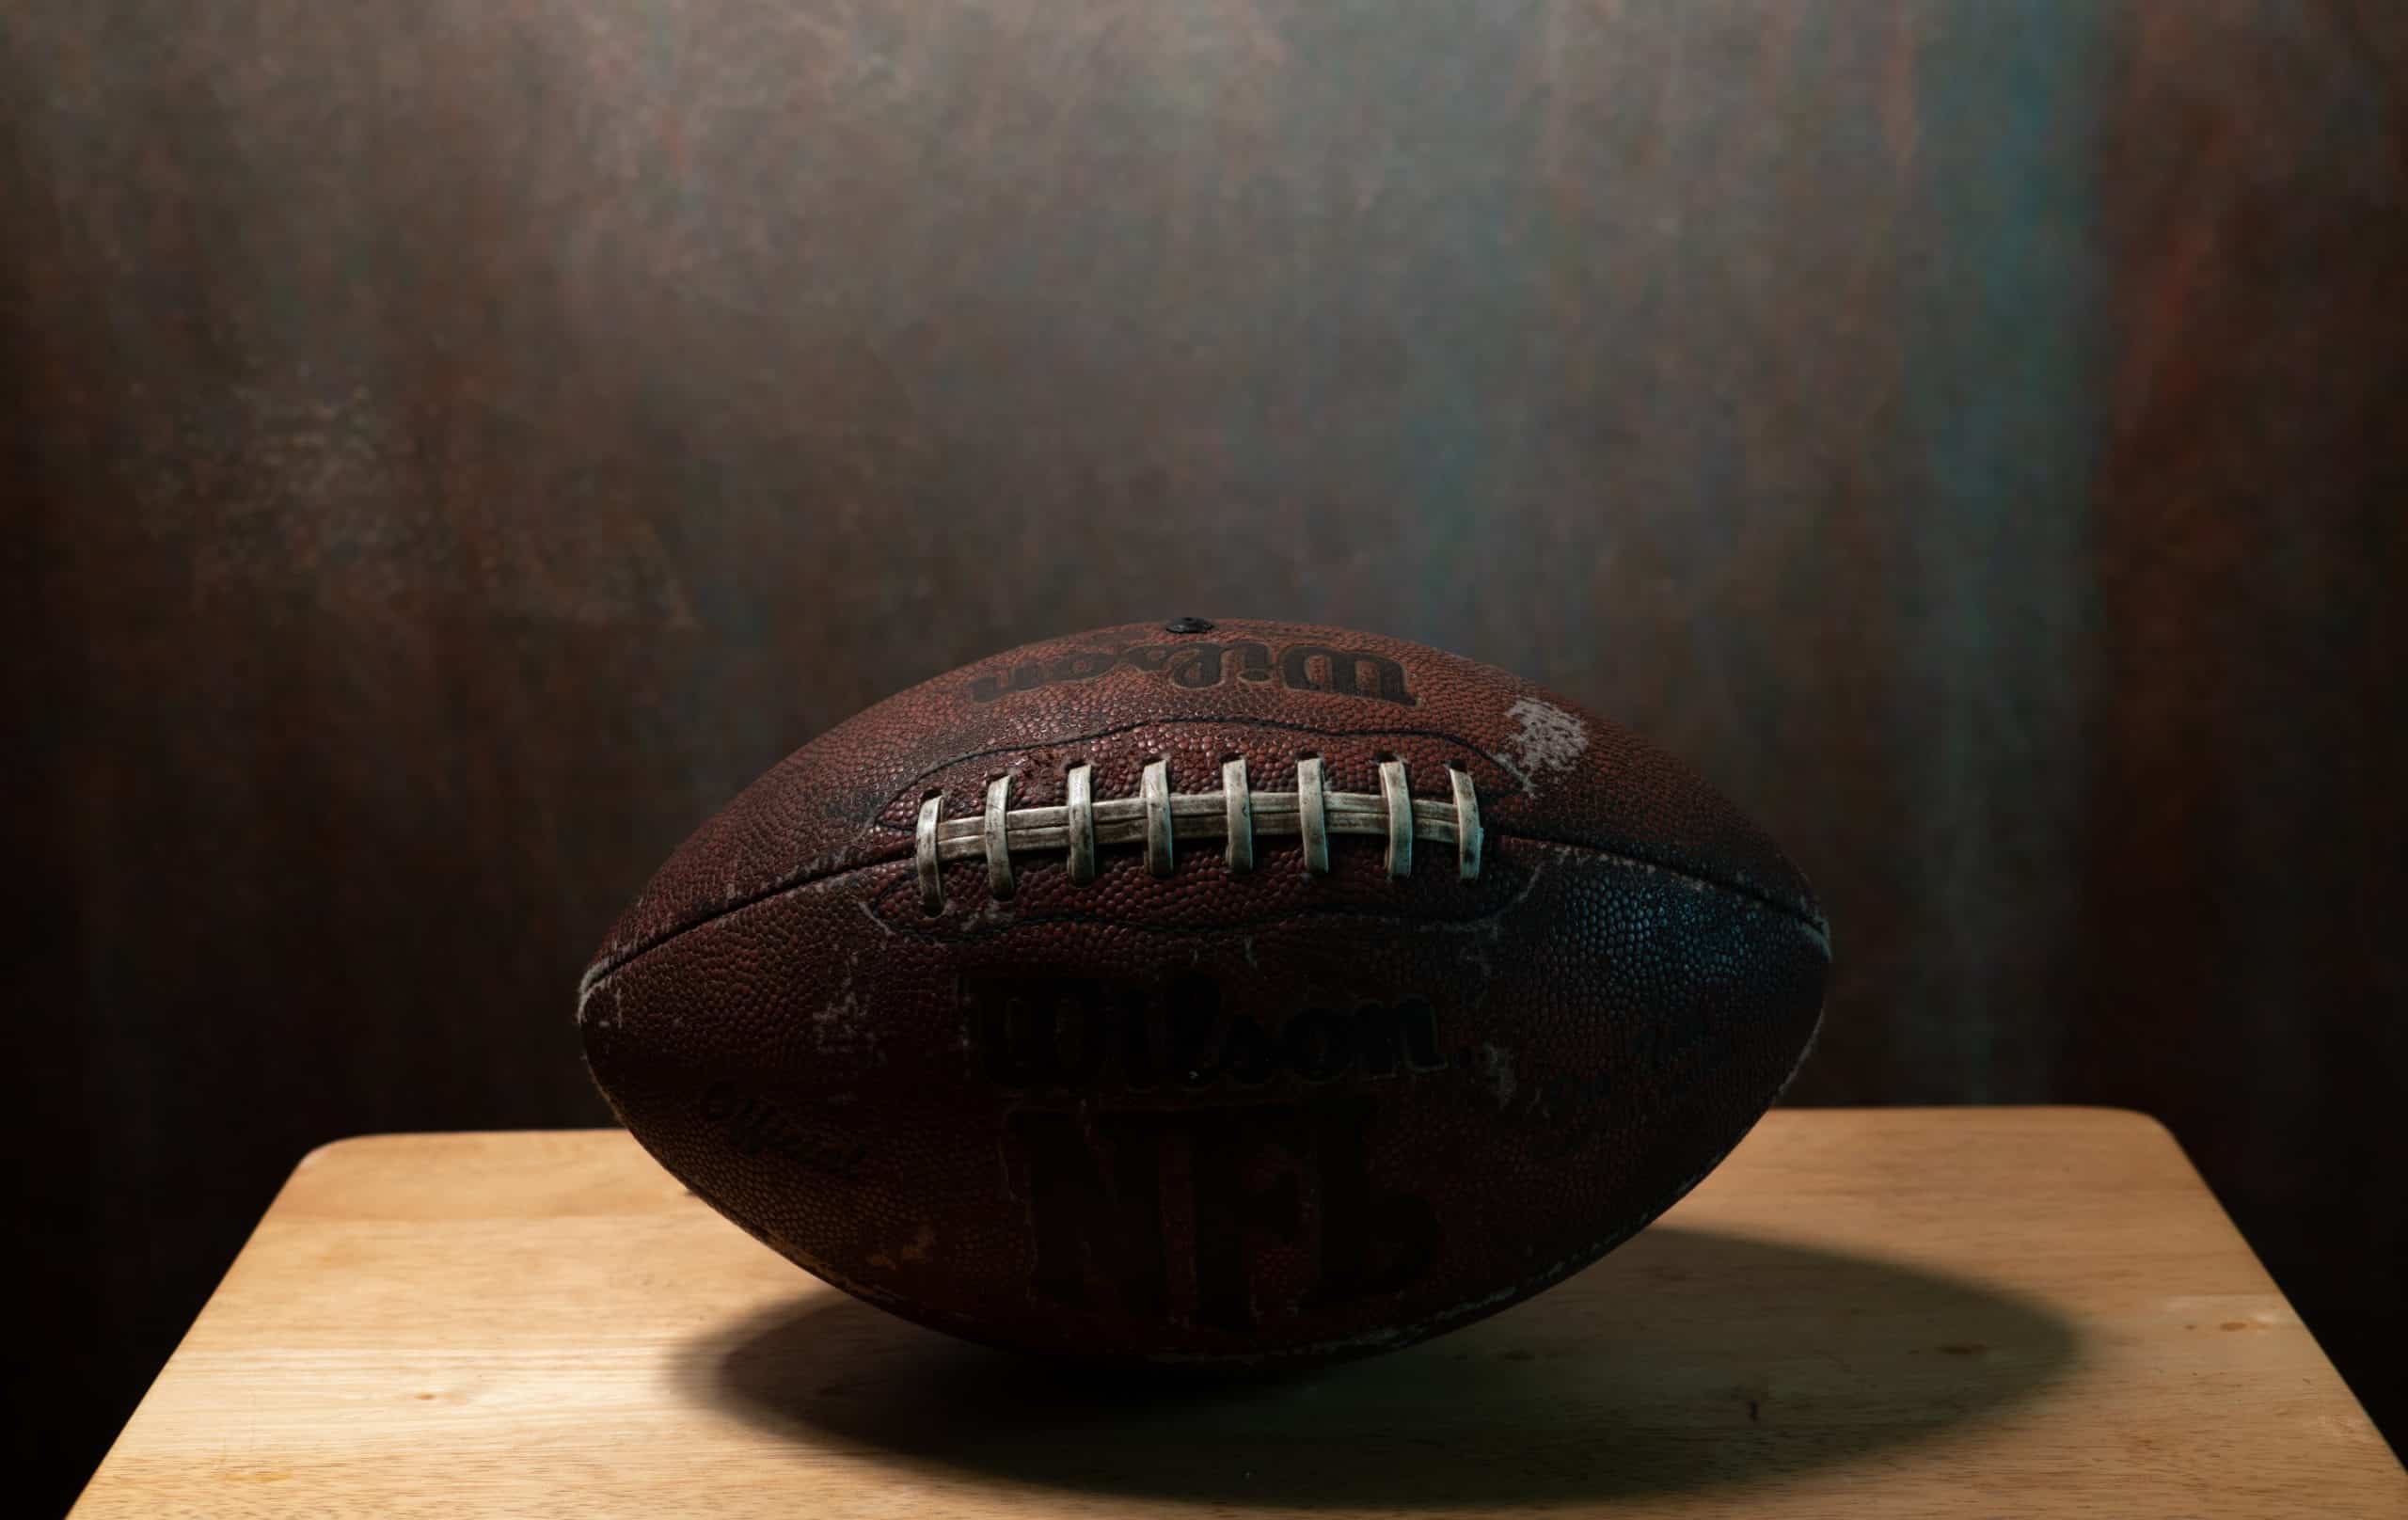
<point>1899,1312</point>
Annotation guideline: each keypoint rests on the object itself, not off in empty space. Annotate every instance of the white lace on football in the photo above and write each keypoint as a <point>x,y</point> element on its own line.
<point>1157,818</point>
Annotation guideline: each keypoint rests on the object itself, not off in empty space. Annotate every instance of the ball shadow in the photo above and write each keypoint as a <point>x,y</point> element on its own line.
<point>1688,1359</point>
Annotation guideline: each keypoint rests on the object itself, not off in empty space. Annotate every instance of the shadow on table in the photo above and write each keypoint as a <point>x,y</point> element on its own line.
<point>1688,1359</point>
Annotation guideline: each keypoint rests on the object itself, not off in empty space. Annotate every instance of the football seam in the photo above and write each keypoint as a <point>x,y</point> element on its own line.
<point>606,967</point>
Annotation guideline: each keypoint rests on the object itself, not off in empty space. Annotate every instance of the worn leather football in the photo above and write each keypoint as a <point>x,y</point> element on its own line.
<point>1209,992</point>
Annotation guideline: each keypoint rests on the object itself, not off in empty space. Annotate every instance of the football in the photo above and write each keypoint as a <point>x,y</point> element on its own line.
<point>1208,992</point>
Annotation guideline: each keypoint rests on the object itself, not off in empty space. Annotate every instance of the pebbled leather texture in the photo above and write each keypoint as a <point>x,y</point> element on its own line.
<point>1209,1116</point>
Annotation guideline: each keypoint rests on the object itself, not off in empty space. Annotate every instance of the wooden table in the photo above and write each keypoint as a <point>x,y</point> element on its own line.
<point>1863,1312</point>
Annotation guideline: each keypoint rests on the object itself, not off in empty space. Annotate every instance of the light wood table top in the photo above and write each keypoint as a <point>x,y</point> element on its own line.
<point>1863,1312</point>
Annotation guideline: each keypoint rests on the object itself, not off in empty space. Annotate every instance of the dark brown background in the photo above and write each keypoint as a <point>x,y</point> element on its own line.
<point>450,445</point>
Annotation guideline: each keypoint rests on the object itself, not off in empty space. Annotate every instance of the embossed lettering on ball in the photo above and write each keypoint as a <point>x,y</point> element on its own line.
<point>1208,992</point>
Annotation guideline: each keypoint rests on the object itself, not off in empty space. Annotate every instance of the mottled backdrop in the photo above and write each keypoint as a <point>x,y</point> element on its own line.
<point>449,446</point>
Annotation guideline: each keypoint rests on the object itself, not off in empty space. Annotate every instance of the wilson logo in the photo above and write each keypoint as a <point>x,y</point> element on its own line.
<point>1345,672</point>
<point>1036,1035</point>
<point>1226,1216</point>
